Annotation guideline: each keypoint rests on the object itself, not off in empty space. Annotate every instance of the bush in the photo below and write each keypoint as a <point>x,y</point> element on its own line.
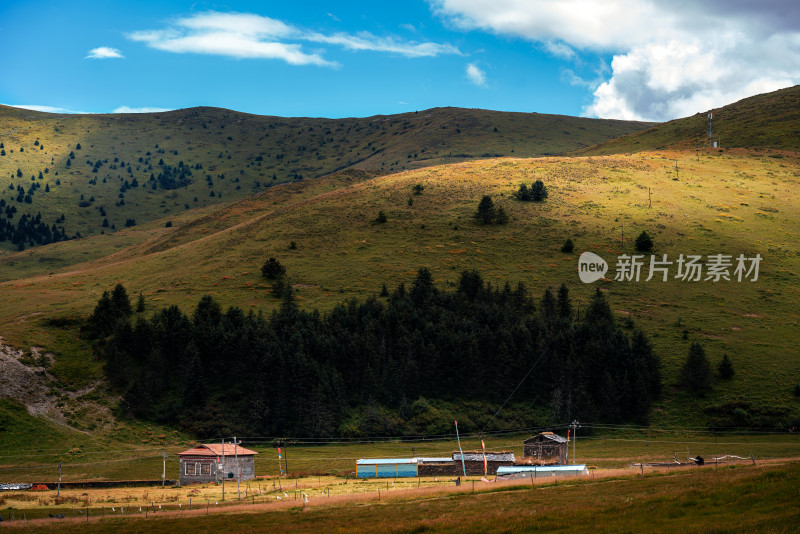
<point>568,246</point>
<point>644,243</point>
<point>273,269</point>
<point>418,188</point>
<point>381,218</point>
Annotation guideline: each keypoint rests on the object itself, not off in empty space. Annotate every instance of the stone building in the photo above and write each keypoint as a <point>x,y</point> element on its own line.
<point>212,462</point>
<point>545,448</point>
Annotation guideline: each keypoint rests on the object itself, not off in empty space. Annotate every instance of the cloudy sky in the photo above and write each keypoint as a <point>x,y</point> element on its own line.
<point>628,59</point>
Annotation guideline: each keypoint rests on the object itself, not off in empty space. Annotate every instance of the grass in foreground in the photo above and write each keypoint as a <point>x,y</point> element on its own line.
<point>724,500</point>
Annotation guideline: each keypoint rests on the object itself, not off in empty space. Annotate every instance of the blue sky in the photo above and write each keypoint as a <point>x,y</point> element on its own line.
<point>643,59</point>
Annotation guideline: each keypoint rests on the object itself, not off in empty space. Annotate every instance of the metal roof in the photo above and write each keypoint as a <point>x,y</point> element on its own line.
<point>548,435</point>
<point>216,449</point>
<point>386,461</point>
<point>435,460</point>
<point>511,469</point>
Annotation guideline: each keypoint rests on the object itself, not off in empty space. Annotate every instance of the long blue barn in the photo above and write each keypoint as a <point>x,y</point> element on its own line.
<point>386,467</point>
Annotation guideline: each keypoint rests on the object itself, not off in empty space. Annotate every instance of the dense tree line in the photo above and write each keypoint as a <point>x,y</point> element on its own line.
<point>306,373</point>
<point>27,229</point>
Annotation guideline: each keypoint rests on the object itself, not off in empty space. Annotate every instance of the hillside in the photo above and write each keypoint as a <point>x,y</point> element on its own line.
<point>732,202</point>
<point>770,120</point>
<point>65,176</point>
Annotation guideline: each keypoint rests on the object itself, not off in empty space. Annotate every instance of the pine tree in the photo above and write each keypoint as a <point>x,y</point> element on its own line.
<point>644,243</point>
<point>538,191</point>
<point>486,210</point>
<point>696,371</point>
<point>725,368</point>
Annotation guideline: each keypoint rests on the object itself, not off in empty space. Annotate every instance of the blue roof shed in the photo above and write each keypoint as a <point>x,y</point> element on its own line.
<point>386,467</point>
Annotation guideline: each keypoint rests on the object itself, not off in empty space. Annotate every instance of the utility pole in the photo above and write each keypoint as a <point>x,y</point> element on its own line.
<point>677,176</point>
<point>463,465</point>
<point>574,426</point>
<point>623,237</point>
<point>58,494</point>
<point>236,463</point>
<point>222,468</point>
<point>163,467</point>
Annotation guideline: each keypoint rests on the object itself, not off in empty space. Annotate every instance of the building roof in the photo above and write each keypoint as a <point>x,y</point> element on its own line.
<point>508,470</point>
<point>435,460</point>
<point>386,461</point>
<point>541,436</point>
<point>216,449</point>
<point>491,456</point>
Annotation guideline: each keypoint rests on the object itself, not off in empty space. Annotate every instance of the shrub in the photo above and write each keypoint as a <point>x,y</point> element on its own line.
<point>643,242</point>
<point>418,188</point>
<point>273,269</point>
<point>568,246</point>
<point>381,218</point>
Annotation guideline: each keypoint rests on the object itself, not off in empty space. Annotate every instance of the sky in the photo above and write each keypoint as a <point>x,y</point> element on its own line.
<point>652,60</point>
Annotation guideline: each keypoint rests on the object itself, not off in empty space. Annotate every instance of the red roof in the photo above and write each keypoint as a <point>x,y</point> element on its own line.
<point>216,449</point>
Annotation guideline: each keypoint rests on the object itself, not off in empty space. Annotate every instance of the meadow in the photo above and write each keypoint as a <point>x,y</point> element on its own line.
<point>718,202</point>
<point>692,500</point>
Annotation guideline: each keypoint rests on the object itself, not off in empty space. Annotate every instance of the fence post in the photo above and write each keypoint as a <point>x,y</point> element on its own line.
<point>752,458</point>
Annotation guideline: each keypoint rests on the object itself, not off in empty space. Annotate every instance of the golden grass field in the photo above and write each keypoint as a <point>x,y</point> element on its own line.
<point>729,202</point>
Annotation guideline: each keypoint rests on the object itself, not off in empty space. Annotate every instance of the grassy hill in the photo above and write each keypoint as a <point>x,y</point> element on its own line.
<point>721,202</point>
<point>93,174</point>
<point>770,120</point>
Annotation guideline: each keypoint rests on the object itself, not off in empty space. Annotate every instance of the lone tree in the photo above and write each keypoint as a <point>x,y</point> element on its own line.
<point>644,243</point>
<point>381,218</point>
<point>538,191</point>
<point>486,211</point>
<point>696,371</point>
<point>418,188</point>
<point>568,247</point>
<point>725,368</point>
<point>273,269</point>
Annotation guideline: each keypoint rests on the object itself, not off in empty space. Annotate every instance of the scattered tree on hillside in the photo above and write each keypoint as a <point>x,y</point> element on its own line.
<point>696,370</point>
<point>643,242</point>
<point>272,269</point>
<point>486,210</point>
<point>725,368</point>
<point>568,247</point>
<point>381,218</point>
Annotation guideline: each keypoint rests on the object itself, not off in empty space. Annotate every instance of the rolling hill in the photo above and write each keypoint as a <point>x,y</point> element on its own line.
<point>65,176</point>
<point>770,121</point>
<point>690,200</point>
<point>721,203</point>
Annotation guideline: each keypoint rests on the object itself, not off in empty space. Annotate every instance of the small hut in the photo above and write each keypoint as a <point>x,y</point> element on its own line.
<point>545,448</point>
<point>213,462</point>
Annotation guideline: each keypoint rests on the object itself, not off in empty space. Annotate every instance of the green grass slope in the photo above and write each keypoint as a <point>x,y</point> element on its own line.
<point>770,120</point>
<point>735,202</point>
<point>134,168</point>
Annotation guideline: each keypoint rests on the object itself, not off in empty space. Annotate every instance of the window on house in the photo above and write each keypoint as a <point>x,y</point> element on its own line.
<point>190,468</point>
<point>205,469</point>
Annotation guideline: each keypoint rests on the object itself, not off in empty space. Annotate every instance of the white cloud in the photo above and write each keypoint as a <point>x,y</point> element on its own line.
<point>127,109</point>
<point>476,75</point>
<point>367,41</point>
<point>671,58</point>
<point>104,52</point>
<point>246,35</point>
